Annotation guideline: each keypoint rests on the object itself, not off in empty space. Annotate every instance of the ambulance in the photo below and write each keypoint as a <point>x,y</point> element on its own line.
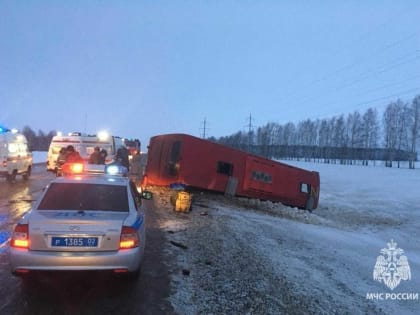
<point>15,157</point>
<point>84,144</point>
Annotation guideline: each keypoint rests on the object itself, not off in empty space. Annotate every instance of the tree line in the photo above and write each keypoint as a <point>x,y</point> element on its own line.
<point>366,136</point>
<point>344,139</point>
<point>38,141</point>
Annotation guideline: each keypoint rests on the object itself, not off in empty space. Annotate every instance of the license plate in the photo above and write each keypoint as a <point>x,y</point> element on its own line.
<point>74,241</point>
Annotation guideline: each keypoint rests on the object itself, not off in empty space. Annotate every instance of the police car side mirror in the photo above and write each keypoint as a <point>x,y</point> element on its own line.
<point>145,194</point>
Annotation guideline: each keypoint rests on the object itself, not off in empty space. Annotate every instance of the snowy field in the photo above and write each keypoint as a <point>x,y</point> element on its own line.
<point>239,256</point>
<point>39,157</point>
<point>250,257</point>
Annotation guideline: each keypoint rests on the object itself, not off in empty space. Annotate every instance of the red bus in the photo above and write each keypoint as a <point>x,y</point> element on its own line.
<point>202,164</point>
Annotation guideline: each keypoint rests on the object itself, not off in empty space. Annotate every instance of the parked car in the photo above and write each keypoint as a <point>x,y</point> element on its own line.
<point>92,218</point>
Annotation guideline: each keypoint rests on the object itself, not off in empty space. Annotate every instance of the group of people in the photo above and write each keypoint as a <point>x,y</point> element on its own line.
<point>98,156</point>
<point>68,154</point>
<point>135,167</point>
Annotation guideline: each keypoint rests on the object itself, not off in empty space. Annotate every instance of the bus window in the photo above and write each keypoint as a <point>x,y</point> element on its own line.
<point>305,188</point>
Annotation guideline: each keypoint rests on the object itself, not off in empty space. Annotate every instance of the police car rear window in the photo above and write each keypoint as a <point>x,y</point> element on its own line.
<point>72,196</point>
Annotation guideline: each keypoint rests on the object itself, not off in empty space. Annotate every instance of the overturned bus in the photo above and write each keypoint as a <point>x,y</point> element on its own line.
<point>202,164</point>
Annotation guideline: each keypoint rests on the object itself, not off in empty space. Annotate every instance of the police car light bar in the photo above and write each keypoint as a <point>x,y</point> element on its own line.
<point>4,129</point>
<point>73,168</point>
<point>116,169</point>
<point>113,169</point>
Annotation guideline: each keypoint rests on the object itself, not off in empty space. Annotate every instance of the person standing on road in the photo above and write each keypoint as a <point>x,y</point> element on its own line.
<point>95,157</point>
<point>136,168</point>
<point>102,156</point>
<point>61,159</point>
<point>72,155</point>
<point>122,157</point>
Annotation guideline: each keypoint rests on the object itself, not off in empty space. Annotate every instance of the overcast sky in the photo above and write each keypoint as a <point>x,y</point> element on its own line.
<point>143,68</point>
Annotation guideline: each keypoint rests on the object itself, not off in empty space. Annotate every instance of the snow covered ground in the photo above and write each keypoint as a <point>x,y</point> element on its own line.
<point>250,257</point>
<point>239,256</point>
<point>39,156</point>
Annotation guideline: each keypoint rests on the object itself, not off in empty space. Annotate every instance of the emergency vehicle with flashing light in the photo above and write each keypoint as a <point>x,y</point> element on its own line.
<point>92,218</point>
<point>84,144</point>
<point>15,157</point>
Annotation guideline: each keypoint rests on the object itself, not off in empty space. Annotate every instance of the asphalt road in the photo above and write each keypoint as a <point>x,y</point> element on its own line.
<point>78,293</point>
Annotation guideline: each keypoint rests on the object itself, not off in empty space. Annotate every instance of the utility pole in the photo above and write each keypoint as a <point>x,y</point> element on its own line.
<point>250,127</point>
<point>203,135</point>
<point>85,123</point>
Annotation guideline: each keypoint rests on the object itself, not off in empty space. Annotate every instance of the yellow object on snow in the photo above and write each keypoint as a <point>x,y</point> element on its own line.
<point>183,202</point>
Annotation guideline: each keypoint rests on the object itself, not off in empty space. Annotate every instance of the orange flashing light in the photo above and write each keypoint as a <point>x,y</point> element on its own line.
<point>77,168</point>
<point>73,168</point>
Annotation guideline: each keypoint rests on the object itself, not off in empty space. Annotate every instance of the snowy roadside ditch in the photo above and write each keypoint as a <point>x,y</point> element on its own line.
<point>239,256</point>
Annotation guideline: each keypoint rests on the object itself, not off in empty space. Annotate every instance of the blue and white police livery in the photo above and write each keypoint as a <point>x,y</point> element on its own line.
<point>82,222</point>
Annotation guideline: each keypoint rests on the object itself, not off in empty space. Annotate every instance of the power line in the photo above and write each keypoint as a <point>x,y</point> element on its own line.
<point>349,66</point>
<point>388,85</point>
<point>367,75</point>
<point>397,94</point>
<point>365,35</point>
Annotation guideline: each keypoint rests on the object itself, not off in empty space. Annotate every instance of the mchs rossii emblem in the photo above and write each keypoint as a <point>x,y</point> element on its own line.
<point>391,266</point>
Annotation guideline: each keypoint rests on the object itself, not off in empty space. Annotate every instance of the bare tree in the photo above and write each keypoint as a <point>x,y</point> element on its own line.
<point>289,134</point>
<point>31,137</point>
<point>403,124</point>
<point>339,137</point>
<point>354,132</point>
<point>390,130</point>
<point>265,136</point>
<point>350,138</point>
<point>278,135</point>
<point>395,120</point>
<point>370,131</point>
<point>414,128</point>
<point>324,139</point>
<point>40,141</point>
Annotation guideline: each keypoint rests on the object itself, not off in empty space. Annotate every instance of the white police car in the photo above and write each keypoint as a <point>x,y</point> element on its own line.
<point>83,222</point>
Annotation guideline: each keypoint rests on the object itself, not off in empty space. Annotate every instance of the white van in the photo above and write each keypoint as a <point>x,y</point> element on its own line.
<point>15,157</point>
<point>84,144</point>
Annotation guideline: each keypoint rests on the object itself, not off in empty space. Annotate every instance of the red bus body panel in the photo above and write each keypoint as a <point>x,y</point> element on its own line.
<point>198,163</point>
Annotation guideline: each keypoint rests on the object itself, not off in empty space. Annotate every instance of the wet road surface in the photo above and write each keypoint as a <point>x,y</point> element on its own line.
<point>78,293</point>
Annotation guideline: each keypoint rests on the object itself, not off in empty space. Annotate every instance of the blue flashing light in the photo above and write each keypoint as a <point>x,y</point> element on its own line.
<point>112,170</point>
<point>4,129</point>
<point>116,169</point>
